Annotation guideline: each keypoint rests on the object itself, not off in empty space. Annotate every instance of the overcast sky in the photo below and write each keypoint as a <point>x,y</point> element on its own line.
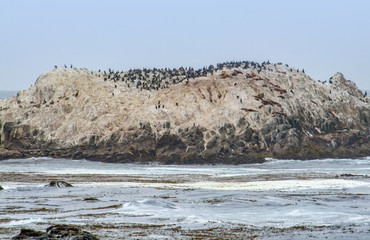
<point>323,37</point>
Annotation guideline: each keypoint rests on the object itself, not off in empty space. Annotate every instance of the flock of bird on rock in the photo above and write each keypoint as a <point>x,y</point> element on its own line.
<point>155,79</point>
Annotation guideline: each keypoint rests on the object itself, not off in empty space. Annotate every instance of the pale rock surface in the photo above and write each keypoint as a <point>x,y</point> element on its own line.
<point>278,112</point>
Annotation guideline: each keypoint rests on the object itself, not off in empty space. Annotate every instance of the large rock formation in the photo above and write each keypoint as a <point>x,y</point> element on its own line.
<point>233,113</point>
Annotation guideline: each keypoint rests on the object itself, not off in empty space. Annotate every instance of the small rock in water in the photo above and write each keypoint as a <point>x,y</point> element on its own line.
<point>91,199</point>
<point>67,231</point>
<point>59,184</point>
<point>29,234</point>
<point>1,188</point>
<point>62,232</point>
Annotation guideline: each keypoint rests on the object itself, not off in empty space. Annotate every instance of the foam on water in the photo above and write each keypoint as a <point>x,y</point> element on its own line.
<point>23,222</point>
<point>64,166</point>
<point>189,196</point>
<point>286,185</point>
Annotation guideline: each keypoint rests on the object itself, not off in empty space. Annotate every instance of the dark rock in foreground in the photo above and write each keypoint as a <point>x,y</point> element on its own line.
<point>27,233</point>
<point>56,232</point>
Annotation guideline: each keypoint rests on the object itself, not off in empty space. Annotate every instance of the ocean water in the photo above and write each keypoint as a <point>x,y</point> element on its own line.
<point>279,199</point>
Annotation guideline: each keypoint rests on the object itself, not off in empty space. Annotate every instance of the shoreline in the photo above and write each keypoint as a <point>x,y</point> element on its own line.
<point>86,152</point>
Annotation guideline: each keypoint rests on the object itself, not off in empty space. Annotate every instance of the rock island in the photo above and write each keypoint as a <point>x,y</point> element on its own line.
<point>234,113</point>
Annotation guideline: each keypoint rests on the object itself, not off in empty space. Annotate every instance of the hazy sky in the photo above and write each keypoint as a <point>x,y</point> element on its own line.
<point>323,37</point>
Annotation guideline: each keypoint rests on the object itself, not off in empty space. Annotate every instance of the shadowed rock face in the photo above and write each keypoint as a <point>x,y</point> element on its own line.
<point>232,113</point>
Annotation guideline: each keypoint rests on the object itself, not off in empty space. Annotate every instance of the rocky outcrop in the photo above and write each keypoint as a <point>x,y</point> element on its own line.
<point>27,233</point>
<point>67,232</point>
<point>232,113</point>
<point>59,184</point>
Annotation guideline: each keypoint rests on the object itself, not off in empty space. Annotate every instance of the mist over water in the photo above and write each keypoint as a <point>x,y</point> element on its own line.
<point>7,94</point>
<point>273,200</point>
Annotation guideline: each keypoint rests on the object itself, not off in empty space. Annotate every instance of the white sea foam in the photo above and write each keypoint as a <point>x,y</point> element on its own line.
<point>286,185</point>
<point>23,222</point>
<point>190,196</point>
<point>279,185</point>
<point>64,166</point>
